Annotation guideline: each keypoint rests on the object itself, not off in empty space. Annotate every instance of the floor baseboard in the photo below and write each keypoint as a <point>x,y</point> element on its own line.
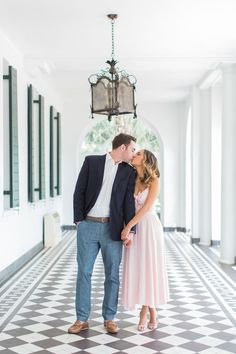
<point>7,272</point>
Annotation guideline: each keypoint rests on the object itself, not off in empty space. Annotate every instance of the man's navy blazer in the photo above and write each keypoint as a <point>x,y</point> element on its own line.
<point>88,186</point>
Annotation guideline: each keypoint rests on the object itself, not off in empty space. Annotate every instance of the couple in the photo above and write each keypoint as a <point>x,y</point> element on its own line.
<point>107,195</point>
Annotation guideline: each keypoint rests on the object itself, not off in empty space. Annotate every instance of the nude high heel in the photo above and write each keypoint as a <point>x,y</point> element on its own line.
<point>142,323</point>
<point>152,325</point>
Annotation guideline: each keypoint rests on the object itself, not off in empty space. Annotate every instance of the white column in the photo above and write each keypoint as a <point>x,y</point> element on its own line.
<point>228,170</point>
<point>195,183</point>
<point>1,144</point>
<point>216,115</point>
<point>204,172</point>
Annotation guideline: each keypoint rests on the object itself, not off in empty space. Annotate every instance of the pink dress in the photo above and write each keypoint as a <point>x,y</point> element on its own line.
<point>144,279</point>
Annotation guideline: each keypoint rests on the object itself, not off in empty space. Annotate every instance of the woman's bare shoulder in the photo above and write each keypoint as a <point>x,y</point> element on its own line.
<point>154,181</point>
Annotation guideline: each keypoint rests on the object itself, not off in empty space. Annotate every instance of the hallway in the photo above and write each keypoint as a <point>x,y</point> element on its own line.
<point>37,306</point>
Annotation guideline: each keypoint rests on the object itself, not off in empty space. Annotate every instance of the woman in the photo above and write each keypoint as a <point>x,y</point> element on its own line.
<point>144,280</point>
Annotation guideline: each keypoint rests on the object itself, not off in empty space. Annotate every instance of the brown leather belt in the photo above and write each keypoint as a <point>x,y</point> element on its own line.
<point>94,218</point>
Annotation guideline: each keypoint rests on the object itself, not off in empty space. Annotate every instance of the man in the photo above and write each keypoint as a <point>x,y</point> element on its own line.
<point>103,204</point>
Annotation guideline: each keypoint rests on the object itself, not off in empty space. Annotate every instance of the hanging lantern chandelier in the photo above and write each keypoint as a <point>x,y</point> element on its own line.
<point>112,89</point>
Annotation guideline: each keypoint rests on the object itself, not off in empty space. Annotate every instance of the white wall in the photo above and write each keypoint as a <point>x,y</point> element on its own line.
<point>168,120</point>
<point>21,229</point>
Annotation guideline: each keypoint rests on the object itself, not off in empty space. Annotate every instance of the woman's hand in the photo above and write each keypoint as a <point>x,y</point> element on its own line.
<point>125,233</point>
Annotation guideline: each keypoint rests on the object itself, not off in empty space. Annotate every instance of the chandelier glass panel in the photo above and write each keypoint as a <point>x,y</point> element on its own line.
<point>113,89</point>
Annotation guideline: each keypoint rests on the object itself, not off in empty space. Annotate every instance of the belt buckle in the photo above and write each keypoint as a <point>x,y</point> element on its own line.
<point>103,219</point>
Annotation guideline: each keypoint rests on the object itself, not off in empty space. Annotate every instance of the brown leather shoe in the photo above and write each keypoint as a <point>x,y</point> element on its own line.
<point>77,327</point>
<point>111,326</point>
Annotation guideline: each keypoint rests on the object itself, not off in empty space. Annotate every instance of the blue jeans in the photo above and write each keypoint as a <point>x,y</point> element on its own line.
<point>91,237</point>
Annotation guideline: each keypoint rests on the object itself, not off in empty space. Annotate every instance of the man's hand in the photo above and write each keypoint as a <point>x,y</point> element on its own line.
<point>129,239</point>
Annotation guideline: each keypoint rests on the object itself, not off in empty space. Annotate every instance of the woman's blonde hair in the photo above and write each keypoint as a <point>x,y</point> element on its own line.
<point>150,168</point>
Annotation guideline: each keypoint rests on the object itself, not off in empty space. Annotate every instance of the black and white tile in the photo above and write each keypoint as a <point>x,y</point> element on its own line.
<point>199,318</point>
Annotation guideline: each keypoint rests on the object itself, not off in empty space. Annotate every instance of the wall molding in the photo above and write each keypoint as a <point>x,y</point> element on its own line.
<point>175,228</point>
<point>7,272</point>
<point>215,242</point>
<point>68,227</point>
<point>194,240</point>
<point>166,229</point>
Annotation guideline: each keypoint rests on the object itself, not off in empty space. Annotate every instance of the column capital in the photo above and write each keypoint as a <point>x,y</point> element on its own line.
<point>228,68</point>
<point>210,78</point>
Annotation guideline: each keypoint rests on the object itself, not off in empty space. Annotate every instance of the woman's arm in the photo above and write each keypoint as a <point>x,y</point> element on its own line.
<point>129,203</point>
<point>152,194</point>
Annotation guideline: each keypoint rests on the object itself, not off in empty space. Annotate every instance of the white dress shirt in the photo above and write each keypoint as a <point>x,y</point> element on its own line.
<point>102,206</point>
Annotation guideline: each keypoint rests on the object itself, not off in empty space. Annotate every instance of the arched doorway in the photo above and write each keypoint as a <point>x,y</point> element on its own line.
<point>98,136</point>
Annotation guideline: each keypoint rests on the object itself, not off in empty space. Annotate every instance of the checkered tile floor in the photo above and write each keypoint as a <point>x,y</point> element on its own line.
<point>199,318</point>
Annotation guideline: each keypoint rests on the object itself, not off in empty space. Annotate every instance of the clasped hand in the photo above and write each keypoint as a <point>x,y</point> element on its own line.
<point>126,236</point>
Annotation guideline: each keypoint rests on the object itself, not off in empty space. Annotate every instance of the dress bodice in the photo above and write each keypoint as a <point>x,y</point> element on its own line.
<point>140,199</point>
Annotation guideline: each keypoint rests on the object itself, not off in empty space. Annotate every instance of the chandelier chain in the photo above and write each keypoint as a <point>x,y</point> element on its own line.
<point>112,40</point>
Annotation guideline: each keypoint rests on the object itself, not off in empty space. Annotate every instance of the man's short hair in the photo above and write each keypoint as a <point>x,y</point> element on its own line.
<point>122,139</point>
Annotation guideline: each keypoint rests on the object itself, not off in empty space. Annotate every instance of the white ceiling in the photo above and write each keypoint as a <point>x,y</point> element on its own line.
<point>169,45</point>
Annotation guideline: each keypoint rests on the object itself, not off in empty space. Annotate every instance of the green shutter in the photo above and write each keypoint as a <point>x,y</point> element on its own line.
<point>42,192</point>
<point>51,152</point>
<point>55,153</point>
<point>30,146</point>
<point>13,119</point>
<point>58,154</point>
